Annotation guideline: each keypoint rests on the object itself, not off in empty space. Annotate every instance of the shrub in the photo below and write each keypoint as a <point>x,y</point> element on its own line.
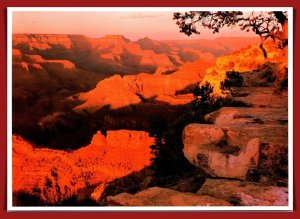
<point>203,93</point>
<point>233,79</point>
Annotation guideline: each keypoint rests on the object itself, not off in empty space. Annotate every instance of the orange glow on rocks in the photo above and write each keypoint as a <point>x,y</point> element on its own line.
<point>244,60</point>
<point>111,91</point>
<point>41,171</point>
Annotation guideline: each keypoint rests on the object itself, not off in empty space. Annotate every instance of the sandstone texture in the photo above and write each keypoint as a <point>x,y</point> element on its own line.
<point>248,115</point>
<point>137,88</point>
<point>156,196</point>
<point>245,193</point>
<point>55,175</point>
<point>243,139</point>
<point>217,160</point>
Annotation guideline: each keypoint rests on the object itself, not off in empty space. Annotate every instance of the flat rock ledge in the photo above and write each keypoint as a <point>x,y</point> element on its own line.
<point>156,196</point>
<point>243,193</point>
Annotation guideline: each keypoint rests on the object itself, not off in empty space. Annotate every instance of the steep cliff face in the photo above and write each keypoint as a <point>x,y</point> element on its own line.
<point>41,41</point>
<point>55,175</point>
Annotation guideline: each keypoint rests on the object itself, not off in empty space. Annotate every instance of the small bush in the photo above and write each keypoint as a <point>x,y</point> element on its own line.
<point>203,93</point>
<point>233,79</point>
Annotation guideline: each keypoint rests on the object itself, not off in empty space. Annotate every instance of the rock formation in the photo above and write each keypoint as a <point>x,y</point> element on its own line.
<point>116,54</point>
<point>218,148</point>
<point>55,175</point>
<point>137,88</point>
<point>245,193</point>
<point>203,148</point>
<point>41,41</point>
<point>248,143</point>
<point>242,61</point>
<point>156,196</point>
<point>248,115</point>
<point>57,74</point>
<point>58,83</point>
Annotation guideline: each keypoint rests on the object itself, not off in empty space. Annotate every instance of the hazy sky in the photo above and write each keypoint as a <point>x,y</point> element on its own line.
<point>133,25</point>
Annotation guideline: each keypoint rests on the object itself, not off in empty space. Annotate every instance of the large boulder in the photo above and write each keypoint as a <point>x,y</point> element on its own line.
<point>232,150</point>
<point>156,196</point>
<point>244,193</point>
<point>206,146</point>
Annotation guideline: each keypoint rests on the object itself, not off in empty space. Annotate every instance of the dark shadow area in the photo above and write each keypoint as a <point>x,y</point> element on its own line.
<point>23,198</point>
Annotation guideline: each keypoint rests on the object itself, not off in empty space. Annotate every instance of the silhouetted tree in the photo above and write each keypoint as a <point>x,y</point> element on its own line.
<point>203,93</point>
<point>233,79</point>
<point>271,24</point>
<point>157,128</point>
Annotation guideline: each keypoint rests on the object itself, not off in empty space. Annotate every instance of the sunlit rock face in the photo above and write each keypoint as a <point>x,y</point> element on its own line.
<point>37,59</point>
<point>55,175</point>
<point>41,41</point>
<point>245,193</point>
<point>111,54</point>
<point>16,54</point>
<point>239,140</point>
<point>243,61</point>
<point>112,91</point>
<point>56,74</point>
<point>156,196</point>
<point>115,54</point>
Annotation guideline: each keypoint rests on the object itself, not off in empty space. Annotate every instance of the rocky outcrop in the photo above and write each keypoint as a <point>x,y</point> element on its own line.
<point>41,41</point>
<point>114,54</point>
<point>156,196</point>
<point>245,193</point>
<point>55,175</point>
<point>248,115</point>
<point>243,140</point>
<point>261,97</point>
<point>217,47</point>
<point>210,148</point>
<point>16,54</point>
<point>137,88</point>
<point>66,64</point>
<point>242,61</point>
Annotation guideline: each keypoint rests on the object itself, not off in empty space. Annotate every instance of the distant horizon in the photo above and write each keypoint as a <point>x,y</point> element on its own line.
<point>134,25</point>
<point>103,36</point>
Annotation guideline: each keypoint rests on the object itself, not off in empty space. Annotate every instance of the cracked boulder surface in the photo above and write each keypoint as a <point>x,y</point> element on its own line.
<point>240,141</point>
<point>156,196</point>
<point>210,148</point>
<point>245,193</point>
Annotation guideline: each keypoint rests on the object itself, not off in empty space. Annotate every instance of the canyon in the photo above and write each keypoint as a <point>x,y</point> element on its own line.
<point>93,117</point>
